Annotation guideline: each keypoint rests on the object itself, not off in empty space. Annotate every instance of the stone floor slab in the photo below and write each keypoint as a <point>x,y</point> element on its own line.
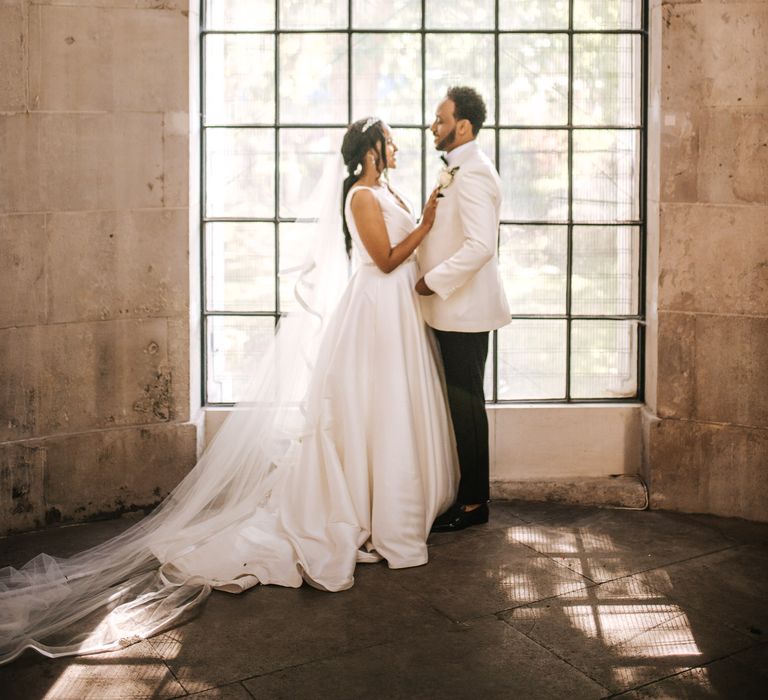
<point>479,660</point>
<point>755,658</point>
<point>607,544</point>
<point>741,531</point>
<point>625,634</point>
<point>64,541</point>
<point>134,672</point>
<point>536,512</point>
<point>269,628</point>
<point>231,691</point>
<point>487,573</point>
<point>724,678</point>
<point>730,586</point>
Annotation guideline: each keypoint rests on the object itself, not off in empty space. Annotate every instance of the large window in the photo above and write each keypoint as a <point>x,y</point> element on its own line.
<point>565,87</point>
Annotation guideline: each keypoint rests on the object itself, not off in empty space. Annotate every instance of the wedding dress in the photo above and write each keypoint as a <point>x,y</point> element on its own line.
<point>342,454</point>
<point>376,464</point>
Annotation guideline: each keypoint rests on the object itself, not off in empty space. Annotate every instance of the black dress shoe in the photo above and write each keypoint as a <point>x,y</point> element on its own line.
<point>447,516</point>
<point>456,519</point>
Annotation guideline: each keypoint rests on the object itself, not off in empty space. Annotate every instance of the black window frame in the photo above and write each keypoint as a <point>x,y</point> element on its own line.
<point>641,222</point>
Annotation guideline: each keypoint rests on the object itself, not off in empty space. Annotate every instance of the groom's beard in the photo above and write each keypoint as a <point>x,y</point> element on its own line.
<point>443,144</point>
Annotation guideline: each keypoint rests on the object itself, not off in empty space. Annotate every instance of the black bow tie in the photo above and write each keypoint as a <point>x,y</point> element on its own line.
<point>443,158</point>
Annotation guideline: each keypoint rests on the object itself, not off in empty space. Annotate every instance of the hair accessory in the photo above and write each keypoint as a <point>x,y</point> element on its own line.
<point>368,124</point>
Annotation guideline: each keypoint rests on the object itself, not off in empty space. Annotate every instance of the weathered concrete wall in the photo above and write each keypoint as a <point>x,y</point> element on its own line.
<point>94,262</point>
<point>707,428</point>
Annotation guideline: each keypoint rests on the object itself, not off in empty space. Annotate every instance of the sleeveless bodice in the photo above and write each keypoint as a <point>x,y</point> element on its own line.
<point>398,221</point>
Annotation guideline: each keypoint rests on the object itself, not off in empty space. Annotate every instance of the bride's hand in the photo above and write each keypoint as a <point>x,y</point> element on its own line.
<point>428,215</point>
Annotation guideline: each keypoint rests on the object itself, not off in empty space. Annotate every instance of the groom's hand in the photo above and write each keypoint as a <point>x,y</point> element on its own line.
<point>421,288</point>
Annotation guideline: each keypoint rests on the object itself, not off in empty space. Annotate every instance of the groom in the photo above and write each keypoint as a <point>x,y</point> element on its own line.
<point>461,292</point>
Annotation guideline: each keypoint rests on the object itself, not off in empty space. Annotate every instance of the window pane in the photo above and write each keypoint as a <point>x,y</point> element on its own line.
<point>239,14</point>
<point>534,173</point>
<point>606,262</point>
<point>533,76</point>
<point>240,172</point>
<point>240,266</point>
<point>606,175</point>
<point>239,78</point>
<point>406,177</point>
<point>532,359</point>
<point>459,59</point>
<point>292,241</point>
<point>488,376</point>
<point>387,77</point>
<point>606,79</point>
<point>460,14</point>
<point>312,14</point>
<point>386,14</point>
<point>313,78</point>
<point>533,263</point>
<point>603,359</point>
<point>606,14</point>
<point>234,343</point>
<point>303,154</point>
<point>533,14</point>
<point>486,139</point>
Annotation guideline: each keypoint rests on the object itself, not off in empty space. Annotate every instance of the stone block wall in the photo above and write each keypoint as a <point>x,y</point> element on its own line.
<point>94,257</point>
<point>707,429</point>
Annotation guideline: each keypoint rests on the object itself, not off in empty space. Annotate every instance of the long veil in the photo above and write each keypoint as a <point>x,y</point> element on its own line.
<point>128,588</point>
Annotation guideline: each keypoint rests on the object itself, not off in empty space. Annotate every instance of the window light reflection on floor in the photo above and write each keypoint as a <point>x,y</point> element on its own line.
<point>645,630</point>
<point>624,618</point>
<point>136,672</point>
<point>516,586</point>
<point>542,541</point>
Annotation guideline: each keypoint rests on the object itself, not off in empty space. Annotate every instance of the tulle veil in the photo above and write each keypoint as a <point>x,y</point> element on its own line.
<point>128,588</point>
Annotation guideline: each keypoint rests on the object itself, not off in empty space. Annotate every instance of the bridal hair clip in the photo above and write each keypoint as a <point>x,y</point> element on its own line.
<point>368,124</point>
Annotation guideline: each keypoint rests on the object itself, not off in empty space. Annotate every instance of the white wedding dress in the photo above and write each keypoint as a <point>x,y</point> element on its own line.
<point>343,454</point>
<point>376,464</point>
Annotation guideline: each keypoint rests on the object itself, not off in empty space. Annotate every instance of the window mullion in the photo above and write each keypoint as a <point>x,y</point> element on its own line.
<point>569,244</point>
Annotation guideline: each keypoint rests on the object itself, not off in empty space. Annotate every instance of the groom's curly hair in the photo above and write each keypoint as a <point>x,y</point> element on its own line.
<point>468,104</point>
<point>357,142</point>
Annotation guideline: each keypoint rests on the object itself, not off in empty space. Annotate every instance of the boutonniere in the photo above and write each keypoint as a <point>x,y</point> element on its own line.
<point>445,177</point>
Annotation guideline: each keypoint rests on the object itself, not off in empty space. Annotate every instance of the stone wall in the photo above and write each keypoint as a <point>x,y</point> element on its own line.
<point>707,428</point>
<point>94,257</point>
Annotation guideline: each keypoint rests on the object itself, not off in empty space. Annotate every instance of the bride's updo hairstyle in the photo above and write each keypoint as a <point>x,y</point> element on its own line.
<point>362,136</point>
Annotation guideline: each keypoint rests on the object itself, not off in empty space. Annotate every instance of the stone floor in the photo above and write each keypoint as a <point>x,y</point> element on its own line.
<point>547,601</point>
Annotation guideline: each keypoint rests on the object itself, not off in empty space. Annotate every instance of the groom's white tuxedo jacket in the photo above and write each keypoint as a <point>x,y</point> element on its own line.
<point>458,257</point>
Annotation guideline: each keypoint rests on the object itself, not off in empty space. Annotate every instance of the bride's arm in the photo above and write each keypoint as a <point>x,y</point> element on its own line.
<point>373,231</point>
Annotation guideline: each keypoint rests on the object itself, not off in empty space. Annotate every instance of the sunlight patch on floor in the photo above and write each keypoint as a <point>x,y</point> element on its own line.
<point>96,678</point>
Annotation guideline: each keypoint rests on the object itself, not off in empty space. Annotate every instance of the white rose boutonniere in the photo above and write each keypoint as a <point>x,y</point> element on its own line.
<point>445,177</point>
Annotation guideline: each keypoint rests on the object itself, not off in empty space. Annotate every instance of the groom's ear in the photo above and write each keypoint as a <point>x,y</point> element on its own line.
<point>464,127</point>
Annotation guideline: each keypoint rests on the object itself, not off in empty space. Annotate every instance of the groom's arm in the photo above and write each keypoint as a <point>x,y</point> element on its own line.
<point>477,213</point>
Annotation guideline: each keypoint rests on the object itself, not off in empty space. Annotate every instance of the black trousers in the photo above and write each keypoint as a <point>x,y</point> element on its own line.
<point>464,356</point>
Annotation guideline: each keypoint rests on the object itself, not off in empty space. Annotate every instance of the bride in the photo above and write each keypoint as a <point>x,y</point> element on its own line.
<point>342,453</point>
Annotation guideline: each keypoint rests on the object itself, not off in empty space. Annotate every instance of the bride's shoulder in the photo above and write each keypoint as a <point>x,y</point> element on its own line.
<point>357,188</point>
<point>367,194</point>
